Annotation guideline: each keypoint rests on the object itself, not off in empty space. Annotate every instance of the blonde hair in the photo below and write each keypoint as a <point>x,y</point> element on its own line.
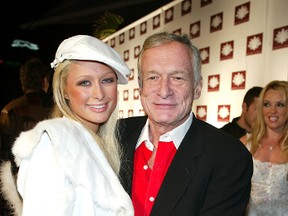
<point>107,141</point>
<point>259,128</point>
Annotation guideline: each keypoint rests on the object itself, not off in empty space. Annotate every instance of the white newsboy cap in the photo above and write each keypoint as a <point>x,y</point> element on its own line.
<point>85,47</point>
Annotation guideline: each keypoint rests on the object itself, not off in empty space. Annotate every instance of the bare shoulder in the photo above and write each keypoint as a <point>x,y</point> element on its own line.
<point>243,139</point>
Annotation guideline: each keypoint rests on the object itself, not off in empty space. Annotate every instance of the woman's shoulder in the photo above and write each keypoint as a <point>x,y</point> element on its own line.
<point>243,139</point>
<point>57,126</point>
<point>57,121</point>
<point>59,130</point>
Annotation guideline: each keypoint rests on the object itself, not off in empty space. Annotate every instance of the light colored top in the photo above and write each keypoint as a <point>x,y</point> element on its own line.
<point>269,193</point>
<point>63,172</point>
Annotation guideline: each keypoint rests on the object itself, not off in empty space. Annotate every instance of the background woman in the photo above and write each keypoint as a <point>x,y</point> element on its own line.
<point>268,144</point>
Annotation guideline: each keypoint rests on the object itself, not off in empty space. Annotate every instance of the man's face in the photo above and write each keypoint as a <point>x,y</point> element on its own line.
<point>168,85</point>
<point>250,113</point>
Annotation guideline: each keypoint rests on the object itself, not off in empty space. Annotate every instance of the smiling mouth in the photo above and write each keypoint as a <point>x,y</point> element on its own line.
<point>273,118</point>
<point>165,106</point>
<point>98,107</point>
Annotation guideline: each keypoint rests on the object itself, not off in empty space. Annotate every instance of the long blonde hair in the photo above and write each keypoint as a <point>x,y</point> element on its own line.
<point>259,128</point>
<point>104,138</point>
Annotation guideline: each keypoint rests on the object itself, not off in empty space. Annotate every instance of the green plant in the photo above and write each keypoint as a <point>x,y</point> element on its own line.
<point>106,25</point>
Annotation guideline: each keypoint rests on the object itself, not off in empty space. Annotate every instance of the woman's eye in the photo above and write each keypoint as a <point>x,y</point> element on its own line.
<point>281,105</point>
<point>109,80</point>
<point>265,104</point>
<point>85,83</point>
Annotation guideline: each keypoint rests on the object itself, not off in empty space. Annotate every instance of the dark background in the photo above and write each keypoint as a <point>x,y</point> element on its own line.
<point>48,22</point>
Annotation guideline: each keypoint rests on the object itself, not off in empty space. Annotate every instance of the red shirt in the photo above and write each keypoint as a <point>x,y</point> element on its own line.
<point>146,182</point>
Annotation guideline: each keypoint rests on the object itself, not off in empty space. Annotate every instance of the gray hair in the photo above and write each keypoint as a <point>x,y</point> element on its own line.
<point>162,38</point>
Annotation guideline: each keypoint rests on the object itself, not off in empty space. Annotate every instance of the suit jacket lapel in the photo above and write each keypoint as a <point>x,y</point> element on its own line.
<point>181,171</point>
<point>130,130</point>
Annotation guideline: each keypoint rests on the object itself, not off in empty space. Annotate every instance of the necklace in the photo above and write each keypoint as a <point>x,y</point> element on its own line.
<point>270,147</point>
<point>266,143</point>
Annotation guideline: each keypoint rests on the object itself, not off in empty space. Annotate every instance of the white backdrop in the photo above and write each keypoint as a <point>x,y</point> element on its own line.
<point>242,44</point>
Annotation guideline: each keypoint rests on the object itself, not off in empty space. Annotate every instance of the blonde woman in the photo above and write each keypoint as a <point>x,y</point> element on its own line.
<point>268,144</point>
<point>69,164</point>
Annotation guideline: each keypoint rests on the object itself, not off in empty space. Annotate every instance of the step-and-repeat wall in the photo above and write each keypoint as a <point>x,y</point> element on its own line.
<point>242,44</point>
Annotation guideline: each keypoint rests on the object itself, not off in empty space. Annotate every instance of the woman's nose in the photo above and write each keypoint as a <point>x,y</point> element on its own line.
<point>273,108</point>
<point>97,92</point>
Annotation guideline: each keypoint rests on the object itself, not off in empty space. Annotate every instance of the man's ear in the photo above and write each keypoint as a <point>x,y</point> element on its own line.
<point>198,89</point>
<point>244,107</point>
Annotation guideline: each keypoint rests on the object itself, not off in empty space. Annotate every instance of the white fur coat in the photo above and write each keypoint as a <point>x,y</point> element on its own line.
<point>63,172</point>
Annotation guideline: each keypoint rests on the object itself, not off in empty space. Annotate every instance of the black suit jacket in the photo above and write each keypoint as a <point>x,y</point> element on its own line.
<point>209,175</point>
